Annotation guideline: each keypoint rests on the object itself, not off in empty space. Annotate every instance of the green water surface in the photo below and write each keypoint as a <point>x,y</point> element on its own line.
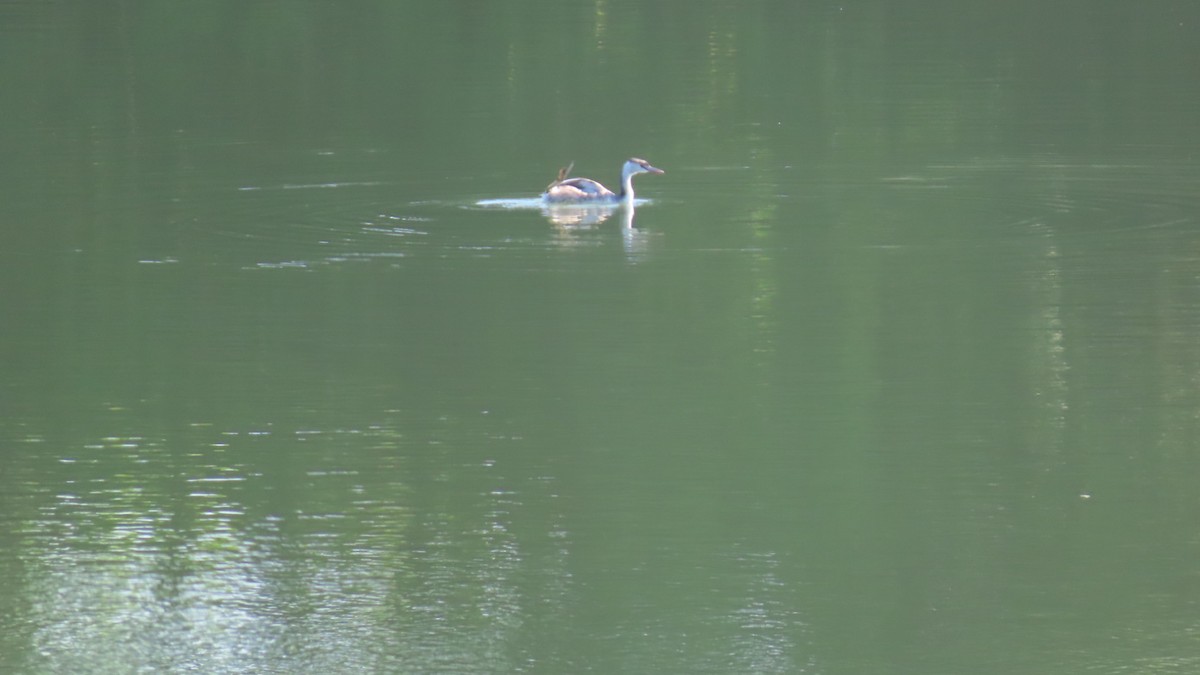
<point>894,370</point>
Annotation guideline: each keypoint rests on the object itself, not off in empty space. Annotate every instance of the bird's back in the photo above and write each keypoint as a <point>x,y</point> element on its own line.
<point>573,189</point>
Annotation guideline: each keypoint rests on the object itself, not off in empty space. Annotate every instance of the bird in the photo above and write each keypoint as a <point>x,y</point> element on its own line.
<point>566,190</point>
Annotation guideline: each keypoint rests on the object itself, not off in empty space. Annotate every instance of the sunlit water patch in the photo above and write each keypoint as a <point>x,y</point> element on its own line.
<point>140,541</point>
<point>537,203</point>
<point>517,203</point>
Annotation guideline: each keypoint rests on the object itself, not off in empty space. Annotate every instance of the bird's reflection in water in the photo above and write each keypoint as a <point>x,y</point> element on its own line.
<point>637,243</point>
<point>573,219</point>
<point>575,216</point>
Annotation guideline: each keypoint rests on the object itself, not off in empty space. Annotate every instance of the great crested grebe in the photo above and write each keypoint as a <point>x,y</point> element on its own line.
<point>587,191</point>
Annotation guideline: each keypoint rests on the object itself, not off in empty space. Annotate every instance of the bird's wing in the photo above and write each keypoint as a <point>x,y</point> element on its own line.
<point>582,186</point>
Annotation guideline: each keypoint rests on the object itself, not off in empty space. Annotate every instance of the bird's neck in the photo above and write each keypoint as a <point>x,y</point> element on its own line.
<point>626,193</point>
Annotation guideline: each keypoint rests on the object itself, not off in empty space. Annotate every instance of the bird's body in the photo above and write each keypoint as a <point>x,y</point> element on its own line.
<point>587,191</point>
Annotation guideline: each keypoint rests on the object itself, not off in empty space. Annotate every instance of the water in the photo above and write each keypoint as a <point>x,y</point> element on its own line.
<point>893,371</point>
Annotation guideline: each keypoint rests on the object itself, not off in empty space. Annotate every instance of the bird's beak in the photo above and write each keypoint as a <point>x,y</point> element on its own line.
<point>655,170</point>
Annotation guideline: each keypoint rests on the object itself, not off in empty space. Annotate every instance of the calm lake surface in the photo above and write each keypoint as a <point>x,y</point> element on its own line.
<point>895,370</point>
